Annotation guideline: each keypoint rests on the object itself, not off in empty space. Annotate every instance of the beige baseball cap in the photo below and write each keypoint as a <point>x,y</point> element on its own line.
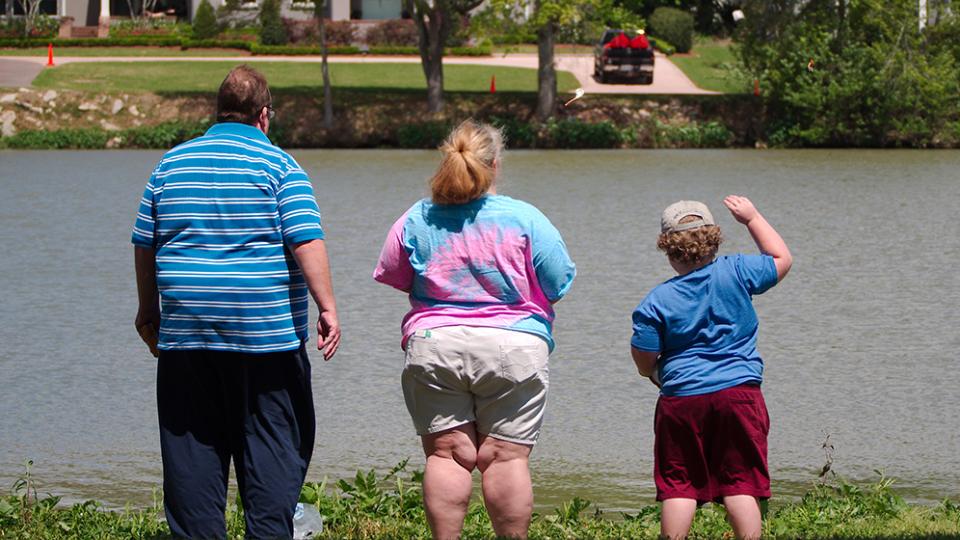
<point>670,220</point>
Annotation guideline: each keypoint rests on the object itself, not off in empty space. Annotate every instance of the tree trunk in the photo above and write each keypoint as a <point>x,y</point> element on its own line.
<point>432,26</point>
<point>434,72</point>
<point>546,73</point>
<point>325,70</point>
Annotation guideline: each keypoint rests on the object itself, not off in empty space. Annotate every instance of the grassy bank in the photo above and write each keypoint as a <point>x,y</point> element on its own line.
<point>711,65</point>
<point>174,76</point>
<point>389,507</point>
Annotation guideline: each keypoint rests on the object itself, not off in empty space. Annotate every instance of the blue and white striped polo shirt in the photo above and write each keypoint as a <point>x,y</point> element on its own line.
<point>221,211</point>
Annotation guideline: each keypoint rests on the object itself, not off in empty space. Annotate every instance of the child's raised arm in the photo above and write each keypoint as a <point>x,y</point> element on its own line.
<point>766,238</point>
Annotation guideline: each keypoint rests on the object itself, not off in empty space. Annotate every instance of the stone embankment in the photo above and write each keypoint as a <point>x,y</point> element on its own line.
<point>364,119</point>
<point>52,110</point>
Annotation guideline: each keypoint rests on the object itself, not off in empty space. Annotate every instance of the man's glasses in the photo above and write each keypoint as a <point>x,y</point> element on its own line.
<point>270,112</point>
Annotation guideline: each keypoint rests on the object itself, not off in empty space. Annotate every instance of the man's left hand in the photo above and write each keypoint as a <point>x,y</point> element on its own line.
<point>328,334</point>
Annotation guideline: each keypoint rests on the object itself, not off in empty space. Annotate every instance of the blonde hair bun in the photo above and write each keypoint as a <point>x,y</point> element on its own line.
<point>470,154</point>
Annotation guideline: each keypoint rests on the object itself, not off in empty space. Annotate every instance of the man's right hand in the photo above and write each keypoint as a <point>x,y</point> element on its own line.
<point>328,334</point>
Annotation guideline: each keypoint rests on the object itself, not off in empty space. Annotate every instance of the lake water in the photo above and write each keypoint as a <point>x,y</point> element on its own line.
<point>860,342</point>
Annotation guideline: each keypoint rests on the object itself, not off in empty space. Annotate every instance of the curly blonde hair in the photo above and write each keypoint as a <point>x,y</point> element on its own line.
<point>691,246</point>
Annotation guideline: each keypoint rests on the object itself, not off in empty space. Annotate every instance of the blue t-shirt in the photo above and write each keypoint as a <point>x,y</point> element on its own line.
<point>704,326</point>
<point>222,212</point>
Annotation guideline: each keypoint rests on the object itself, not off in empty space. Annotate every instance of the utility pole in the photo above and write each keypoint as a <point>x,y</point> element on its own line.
<point>923,14</point>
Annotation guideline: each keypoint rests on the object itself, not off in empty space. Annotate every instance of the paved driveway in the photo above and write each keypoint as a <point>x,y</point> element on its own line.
<point>667,77</point>
<point>17,72</point>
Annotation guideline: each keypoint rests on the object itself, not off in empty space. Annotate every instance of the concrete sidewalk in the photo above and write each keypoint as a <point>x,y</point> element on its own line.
<point>667,77</point>
<point>17,72</point>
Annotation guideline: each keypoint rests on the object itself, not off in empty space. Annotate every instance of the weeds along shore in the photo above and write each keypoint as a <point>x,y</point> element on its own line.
<point>391,506</point>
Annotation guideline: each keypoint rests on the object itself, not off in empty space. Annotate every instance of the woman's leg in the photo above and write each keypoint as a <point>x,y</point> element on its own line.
<point>447,480</point>
<point>676,518</point>
<point>743,512</point>
<point>507,489</point>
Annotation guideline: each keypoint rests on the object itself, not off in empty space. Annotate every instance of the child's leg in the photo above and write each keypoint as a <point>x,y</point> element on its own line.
<point>676,517</point>
<point>743,512</point>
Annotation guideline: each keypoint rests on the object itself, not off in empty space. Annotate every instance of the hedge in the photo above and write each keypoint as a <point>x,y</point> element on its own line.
<point>290,50</point>
<point>158,41</point>
<point>451,51</point>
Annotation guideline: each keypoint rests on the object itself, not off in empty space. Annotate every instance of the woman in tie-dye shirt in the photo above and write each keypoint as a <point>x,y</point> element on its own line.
<point>483,272</point>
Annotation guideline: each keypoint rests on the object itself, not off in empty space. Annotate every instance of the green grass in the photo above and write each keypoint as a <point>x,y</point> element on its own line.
<point>711,66</point>
<point>368,507</point>
<point>121,51</point>
<point>172,77</point>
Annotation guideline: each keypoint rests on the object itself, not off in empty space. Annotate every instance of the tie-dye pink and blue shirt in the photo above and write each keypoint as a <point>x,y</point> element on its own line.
<point>494,262</point>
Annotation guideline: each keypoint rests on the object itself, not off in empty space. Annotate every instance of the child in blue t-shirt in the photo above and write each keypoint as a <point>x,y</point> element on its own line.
<point>695,336</point>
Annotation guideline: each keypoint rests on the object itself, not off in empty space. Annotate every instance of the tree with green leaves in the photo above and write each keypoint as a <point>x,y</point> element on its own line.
<point>852,72</point>
<point>548,18</point>
<point>435,20</point>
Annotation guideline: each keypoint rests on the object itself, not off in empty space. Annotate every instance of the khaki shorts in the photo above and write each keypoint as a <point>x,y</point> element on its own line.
<point>497,378</point>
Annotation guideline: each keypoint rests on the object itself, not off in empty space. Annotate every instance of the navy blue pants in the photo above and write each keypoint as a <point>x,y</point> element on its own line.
<point>254,408</point>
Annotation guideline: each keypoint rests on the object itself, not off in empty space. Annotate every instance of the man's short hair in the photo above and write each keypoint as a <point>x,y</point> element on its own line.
<point>243,94</point>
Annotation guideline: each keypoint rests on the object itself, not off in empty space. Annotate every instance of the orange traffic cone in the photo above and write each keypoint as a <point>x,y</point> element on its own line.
<point>50,55</point>
<point>493,84</point>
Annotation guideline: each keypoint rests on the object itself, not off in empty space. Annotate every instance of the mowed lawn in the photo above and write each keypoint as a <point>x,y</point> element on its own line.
<point>206,76</point>
<point>710,66</point>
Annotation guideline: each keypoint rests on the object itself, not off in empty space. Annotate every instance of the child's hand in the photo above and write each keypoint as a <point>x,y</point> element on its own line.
<point>741,208</point>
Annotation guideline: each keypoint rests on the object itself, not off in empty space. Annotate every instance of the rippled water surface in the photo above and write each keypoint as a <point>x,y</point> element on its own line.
<point>861,341</point>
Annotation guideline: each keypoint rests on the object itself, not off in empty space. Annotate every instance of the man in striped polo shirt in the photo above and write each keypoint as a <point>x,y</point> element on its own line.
<point>227,245</point>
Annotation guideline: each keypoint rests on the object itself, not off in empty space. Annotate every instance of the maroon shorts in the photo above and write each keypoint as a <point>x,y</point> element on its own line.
<point>712,445</point>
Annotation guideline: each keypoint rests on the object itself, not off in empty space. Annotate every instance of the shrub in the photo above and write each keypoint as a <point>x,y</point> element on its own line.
<point>145,27</point>
<point>673,25</point>
<point>340,32</point>
<point>294,51</point>
<point>307,31</point>
<point>401,32</point>
<point>694,135</point>
<point>44,26</point>
<point>165,135</point>
<point>272,31</point>
<point>516,132</point>
<point>217,43</point>
<point>85,139</point>
<point>571,133</point>
<point>205,22</point>
<point>301,31</point>
<point>422,135</point>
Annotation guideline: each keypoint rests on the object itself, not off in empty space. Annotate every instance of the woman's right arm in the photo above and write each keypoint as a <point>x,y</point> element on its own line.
<point>393,267</point>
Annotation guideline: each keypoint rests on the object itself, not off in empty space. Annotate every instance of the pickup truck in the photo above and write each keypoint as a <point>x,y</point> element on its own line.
<point>626,54</point>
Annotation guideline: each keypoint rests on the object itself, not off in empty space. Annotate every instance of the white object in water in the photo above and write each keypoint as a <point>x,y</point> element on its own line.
<point>576,95</point>
<point>307,522</point>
